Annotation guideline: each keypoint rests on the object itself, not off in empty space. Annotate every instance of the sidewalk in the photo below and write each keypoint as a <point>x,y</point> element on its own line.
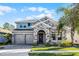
<point>54,51</point>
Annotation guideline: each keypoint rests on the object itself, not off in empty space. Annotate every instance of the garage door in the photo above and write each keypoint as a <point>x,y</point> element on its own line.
<point>19,39</point>
<point>29,38</point>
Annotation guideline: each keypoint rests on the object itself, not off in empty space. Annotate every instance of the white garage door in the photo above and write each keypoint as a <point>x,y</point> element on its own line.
<point>29,38</point>
<point>19,39</point>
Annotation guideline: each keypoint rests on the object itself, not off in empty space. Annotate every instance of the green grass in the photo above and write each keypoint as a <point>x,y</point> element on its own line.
<point>73,48</point>
<point>53,48</point>
<point>55,54</point>
<point>45,48</point>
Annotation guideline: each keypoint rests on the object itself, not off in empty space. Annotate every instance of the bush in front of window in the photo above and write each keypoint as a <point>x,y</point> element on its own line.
<point>48,44</point>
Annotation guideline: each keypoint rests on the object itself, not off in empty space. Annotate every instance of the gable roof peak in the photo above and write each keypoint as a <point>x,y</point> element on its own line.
<point>41,23</point>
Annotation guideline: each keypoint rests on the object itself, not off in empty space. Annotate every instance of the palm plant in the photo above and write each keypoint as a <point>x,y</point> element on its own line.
<point>60,26</point>
<point>71,19</point>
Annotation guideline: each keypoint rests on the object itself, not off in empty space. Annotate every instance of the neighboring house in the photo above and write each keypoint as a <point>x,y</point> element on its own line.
<point>3,32</point>
<point>36,31</point>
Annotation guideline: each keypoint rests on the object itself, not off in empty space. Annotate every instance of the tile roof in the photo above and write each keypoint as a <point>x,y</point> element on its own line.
<point>5,31</point>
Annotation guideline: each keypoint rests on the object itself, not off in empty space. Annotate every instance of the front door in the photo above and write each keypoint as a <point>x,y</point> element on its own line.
<point>40,38</point>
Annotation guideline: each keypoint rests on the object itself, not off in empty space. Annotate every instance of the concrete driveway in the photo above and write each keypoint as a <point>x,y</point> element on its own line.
<point>15,50</point>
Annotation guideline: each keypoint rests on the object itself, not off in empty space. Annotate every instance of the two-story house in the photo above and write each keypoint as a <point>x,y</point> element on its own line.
<point>34,31</point>
<point>37,31</point>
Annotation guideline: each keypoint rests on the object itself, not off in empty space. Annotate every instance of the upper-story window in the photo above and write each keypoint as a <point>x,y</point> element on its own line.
<point>29,24</point>
<point>24,26</point>
<point>20,26</point>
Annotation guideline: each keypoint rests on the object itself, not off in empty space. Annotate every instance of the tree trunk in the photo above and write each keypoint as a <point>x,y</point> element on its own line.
<point>59,44</point>
<point>61,35</point>
<point>72,35</point>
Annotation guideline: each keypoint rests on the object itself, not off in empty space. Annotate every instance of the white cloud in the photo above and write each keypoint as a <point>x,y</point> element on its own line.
<point>47,11</point>
<point>38,16</point>
<point>6,9</point>
<point>43,15</point>
<point>41,9</point>
<point>18,19</point>
<point>29,17</point>
<point>41,12</point>
<point>36,9</point>
<point>49,15</point>
<point>32,9</point>
<point>35,16</point>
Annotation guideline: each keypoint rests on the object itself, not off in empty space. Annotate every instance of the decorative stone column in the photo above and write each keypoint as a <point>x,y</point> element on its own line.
<point>47,35</point>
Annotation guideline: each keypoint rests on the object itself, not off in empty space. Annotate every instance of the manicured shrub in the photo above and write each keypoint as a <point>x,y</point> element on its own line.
<point>34,44</point>
<point>65,43</point>
<point>76,45</point>
<point>55,44</point>
<point>48,44</point>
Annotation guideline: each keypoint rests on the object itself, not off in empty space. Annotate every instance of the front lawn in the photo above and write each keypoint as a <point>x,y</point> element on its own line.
<point>53,48</point>
<point>70,48</point>
<point>55,54</point>
<point>45,48</point>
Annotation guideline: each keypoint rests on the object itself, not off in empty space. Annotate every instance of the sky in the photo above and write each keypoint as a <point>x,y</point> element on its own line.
<point>11,12</point>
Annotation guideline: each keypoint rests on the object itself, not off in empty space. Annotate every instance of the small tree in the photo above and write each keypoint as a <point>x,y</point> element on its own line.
<point>8,26</point>
<point>60,26</point>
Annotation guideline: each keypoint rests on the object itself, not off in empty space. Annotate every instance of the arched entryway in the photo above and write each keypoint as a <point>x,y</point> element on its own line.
<point>41,36</point>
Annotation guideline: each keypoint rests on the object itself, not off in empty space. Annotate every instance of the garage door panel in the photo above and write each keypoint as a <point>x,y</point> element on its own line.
<point>29,39</point>
<point>20,39</point>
